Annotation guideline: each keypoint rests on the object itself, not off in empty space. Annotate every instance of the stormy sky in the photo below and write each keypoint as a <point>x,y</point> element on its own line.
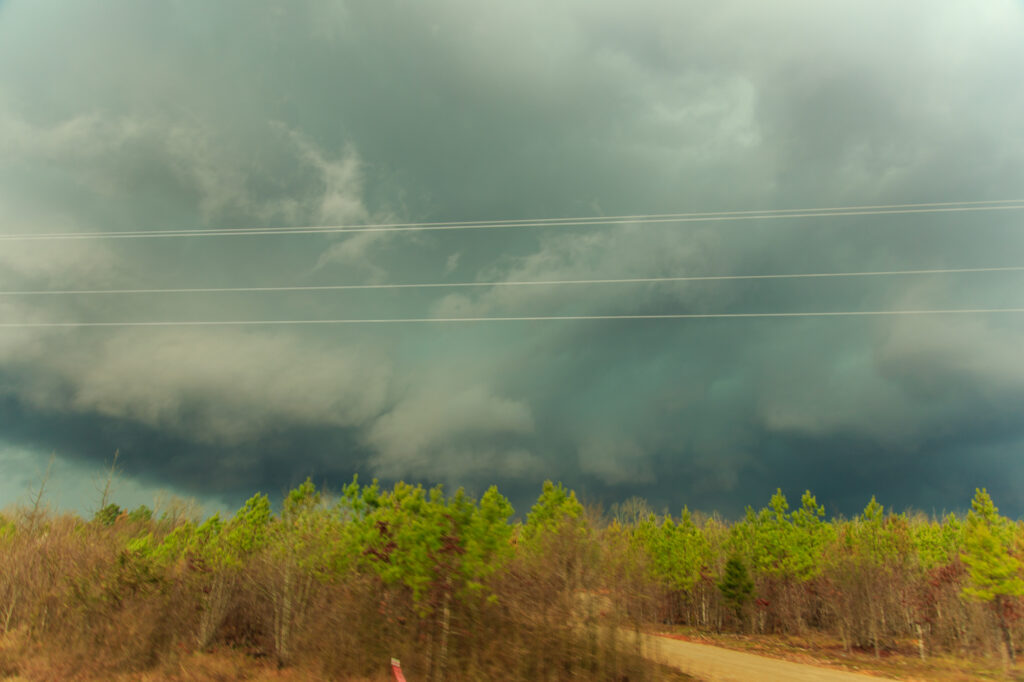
<point>130,116</point>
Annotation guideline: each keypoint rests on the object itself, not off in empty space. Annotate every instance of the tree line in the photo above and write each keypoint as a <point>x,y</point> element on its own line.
<point>951,584</point>
<point>458,589</point>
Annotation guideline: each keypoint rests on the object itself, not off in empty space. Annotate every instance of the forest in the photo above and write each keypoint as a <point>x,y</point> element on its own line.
<point>335,584</point>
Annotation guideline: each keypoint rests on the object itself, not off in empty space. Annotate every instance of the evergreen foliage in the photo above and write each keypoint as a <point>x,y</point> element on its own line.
<point>989,545</point>
<point>994,571</point>
<point>108,514</point>
<point>736,586</point>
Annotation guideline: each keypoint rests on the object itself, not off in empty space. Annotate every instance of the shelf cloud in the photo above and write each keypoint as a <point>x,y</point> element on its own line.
<point>253,114</point>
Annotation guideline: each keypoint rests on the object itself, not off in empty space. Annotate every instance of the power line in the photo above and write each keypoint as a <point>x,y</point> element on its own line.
<point>722,216</point>
<point>524,318</point>
<point>555,282</point>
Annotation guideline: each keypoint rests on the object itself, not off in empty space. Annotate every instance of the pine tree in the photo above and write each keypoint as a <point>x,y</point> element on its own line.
<point>736,586</point>
<point>994,572</point>
<point>555,507</point>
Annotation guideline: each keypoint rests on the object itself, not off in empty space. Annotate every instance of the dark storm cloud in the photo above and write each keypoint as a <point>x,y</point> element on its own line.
<point>220,473</point>
<point>269,113</point>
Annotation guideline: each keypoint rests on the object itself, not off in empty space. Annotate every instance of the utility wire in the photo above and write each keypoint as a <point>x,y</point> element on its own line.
<point>553,282</point>
<point>524,318</point>
<point>721,216</point>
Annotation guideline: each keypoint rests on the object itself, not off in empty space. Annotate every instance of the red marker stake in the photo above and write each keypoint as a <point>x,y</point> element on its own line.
<point>396,668</point>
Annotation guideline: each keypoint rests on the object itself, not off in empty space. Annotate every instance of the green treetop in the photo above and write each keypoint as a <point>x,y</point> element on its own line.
<point>781,543</point>
<point>554,507</point>
<point>993,569</point>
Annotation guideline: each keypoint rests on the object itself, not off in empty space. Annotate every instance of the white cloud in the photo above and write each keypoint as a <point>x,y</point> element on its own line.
<point>342,200</point>
<point>353,256</point>
<point>214,386</point>
<point>609,252</point>
<point>112,154</point>
<point>443,431</point>
<point>51,264</point>
<point>936,360</point>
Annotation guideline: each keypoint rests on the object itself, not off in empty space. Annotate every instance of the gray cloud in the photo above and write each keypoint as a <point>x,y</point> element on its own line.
<point>451,434</point>
<point>252,113</point>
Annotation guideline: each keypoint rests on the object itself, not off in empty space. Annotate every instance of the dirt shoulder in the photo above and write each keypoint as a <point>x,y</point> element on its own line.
<point>716,664</point>
<point>900,661</point>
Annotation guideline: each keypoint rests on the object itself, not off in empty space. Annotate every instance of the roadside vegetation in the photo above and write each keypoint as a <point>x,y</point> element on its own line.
<point>332,586</point>
<point>881,585</point>
<point>329,587</point>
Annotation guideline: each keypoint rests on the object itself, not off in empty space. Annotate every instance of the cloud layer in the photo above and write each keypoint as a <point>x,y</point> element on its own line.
<point>256,114</point>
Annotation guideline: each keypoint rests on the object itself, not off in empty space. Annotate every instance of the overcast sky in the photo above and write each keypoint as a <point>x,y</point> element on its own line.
<point>124,115</point>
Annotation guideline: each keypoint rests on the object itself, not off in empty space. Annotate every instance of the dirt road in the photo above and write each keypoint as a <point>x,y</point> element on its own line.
<point>716,664</point>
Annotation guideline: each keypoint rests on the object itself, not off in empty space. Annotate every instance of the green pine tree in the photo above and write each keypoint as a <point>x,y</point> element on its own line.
<point>994,572</point>
<point>736,586</point>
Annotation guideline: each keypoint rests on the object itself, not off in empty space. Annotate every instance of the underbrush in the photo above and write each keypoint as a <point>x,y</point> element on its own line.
<point>327,589</point>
